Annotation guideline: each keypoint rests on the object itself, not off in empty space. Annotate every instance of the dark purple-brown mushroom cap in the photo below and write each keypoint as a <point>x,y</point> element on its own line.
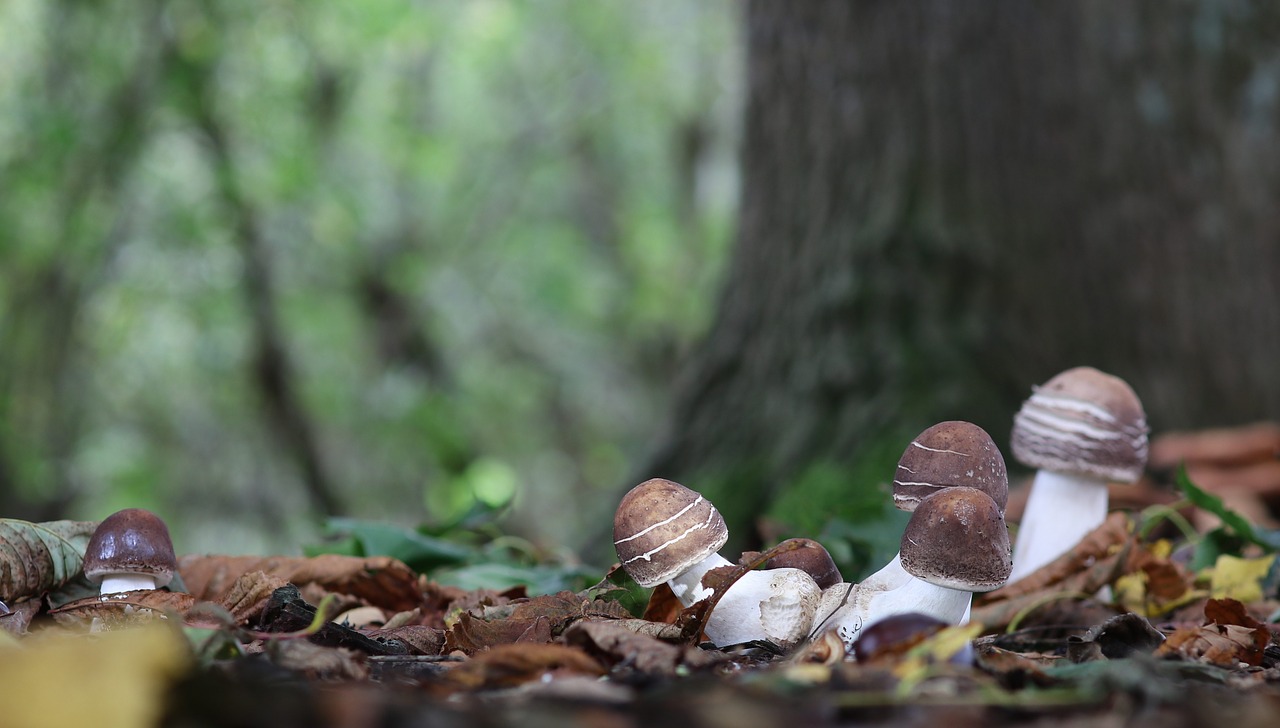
<point>132,541</point>
<point>662,528</point>
<point>957,538</point>
<point>810,557</point>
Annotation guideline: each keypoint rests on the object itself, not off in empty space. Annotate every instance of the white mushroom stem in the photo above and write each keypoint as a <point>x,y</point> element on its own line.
<point>870,602</point>
<point>891,576</point>
<point>116,583</point>
<point>943,603</point>
<point>776,605</point>
<point>1060,511</point>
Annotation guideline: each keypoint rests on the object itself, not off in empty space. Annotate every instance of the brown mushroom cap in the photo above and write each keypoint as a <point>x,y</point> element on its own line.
<point>953,453</point>
<point>1083,422</point>
<point>662,528</point>
<point>132,541</point>
<point>810,557</point>
<point>957,538</point>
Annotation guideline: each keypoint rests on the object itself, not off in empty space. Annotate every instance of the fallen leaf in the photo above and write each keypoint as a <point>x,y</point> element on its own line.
<point>471,634</point>
<point>1121,636</point>
<point>1240,579</point>
<point>38,557</point>
<point>663,605</point>
<point>510,665</point>
<point>1229,637</point>
<point>19,617</point>
<point>1223,446</point>
<point>419,638</point>
<point>1113,536</point>
<point>1225,645</point>
<point>125,609</point>
<point>115,680</point>
<point>615,644</point>
<point>378,580</point>
<point>1154,584</point>
<point>249,595</point>
<point>316,662</point>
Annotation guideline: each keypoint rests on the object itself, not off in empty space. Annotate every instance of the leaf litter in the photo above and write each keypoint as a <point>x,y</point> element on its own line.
<point>1144,621</point>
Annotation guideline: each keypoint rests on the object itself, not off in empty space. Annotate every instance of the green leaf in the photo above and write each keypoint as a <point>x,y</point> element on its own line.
<point>544,579</point>
<point>1204,500</point>
<point>420,552</point>
<point>38,557</point>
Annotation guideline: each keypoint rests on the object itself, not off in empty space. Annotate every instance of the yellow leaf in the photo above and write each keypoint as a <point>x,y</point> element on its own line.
<point>1131,592</point>
<point>936,650</point>
<point>1239,579</point>
<point>110,680</point>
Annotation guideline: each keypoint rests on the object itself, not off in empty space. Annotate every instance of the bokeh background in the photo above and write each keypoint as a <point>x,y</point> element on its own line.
<point>263,264</point>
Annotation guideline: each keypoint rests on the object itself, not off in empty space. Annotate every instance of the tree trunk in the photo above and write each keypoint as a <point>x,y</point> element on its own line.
<point>946,203</point>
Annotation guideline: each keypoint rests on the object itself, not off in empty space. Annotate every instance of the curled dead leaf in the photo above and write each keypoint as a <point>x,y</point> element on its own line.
<point>1229,637</point>
<point>38,557</point>
<point>378,580</point>
<point>123,609</point>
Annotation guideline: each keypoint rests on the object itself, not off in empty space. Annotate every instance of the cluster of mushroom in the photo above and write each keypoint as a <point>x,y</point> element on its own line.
<point>1081,429</point>
<point>952,479</point>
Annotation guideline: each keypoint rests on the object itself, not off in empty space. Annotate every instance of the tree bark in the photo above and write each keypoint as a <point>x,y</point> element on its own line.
<point>946,203</point>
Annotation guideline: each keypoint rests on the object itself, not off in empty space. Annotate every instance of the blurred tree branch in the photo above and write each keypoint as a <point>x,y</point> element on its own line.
<point>273,371</point>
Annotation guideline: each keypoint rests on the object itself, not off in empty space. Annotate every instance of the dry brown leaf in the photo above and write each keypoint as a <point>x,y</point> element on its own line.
<point>316,662</point>
<point>510,665</point>
<point>379,580</point>
<point>1229,611</point>
<point>471,634</point>
<point>19,616</point>
<point>1225,645</point>
<point>123,609</point>
<point>1224,446</point>
<point>999,661</point>
<point>615,644</point>
<point>421,639</point>
<point>249,595</point>
<point>1114,535</point>
<point>1229,637</point>
<point>663,605</point>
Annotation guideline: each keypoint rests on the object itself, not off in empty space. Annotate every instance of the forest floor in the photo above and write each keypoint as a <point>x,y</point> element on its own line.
<point>1164,616</point>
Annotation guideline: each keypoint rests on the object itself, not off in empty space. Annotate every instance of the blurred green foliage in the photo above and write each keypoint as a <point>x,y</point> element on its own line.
<point>471,553</point>
<point>483,232</point>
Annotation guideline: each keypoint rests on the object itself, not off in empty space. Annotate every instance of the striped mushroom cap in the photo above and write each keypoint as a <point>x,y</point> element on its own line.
<point>662,528</point>
<point>1083,422</point>
<point>953,453</point>
<point>957,538</point>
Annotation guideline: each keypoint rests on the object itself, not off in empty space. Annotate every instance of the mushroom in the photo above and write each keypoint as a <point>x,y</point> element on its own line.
<point>806,555</point>
<point>130,550</point>
<point>955,544</point>
<point>665,532</point>
<point>1081,430</point>
<point>949,454</point>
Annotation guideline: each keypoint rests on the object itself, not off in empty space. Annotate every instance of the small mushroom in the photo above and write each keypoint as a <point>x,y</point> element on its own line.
<point>130,550</point>
<point>665,532</point>
<point>1081,430</point>
<point>806,555</point>
<point>955,544</point>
